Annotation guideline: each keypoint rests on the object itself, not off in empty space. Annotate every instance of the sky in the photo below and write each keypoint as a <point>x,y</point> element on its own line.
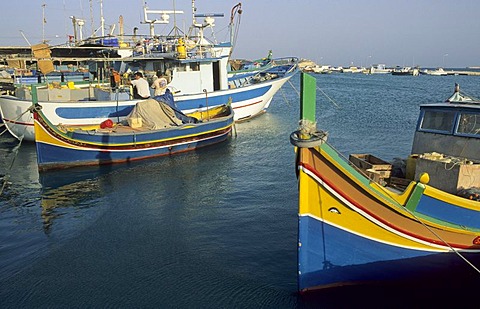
<point>427,33</point>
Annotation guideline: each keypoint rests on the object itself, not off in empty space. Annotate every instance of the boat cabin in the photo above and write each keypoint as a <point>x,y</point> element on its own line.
<point>194,74</point>
<point>449,128</point>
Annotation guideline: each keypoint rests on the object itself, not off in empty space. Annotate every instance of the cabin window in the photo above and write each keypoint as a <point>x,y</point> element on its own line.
<point>439,121</point>
<point>469,124</point>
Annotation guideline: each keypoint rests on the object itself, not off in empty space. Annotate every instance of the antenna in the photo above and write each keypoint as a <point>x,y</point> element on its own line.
<point>44,21</point>
<point>102,20</point>
<point>92,26</point>
<point>164,18</point>
<point>23,34</point>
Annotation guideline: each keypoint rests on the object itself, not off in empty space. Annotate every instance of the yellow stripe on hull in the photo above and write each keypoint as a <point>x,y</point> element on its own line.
<point>316,202</point>
<point>46,137</point>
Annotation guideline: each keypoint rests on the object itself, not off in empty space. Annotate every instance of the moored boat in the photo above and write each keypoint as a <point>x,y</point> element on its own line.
<point>436,72</point>
<point>405,71</point>
<point>379,69</point>
<point>353,230</point>
<point>153,128</point>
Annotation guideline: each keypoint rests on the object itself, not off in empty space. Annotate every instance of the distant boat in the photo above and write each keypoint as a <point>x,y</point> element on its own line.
<point>351,69</point>
<point>322,69</point>
<point>353,230</point>
<point>379,69</point>
<point>405,71</point>
<point>153,129</point>
<point>436,72</point>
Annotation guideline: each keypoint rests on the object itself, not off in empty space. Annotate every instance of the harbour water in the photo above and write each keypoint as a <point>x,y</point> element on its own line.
<point>215,228</point>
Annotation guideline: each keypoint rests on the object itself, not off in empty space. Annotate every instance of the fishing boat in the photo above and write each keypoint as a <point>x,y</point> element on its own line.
<point>154,128</point>
<point>251,96</point>
<point>354,230</point>
<point>405,71</point>
<point>197,73</point>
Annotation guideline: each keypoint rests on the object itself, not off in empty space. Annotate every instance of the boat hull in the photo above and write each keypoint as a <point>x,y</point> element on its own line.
<point>344,258</point>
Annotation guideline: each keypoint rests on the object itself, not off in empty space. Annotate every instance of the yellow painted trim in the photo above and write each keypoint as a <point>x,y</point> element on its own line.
<point>401,198</point>
<point>450,198</point>
<point>41,138</point>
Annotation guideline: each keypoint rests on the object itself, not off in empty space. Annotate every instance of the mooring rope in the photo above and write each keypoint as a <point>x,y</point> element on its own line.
<point>330,99</point>
<point>30,109</point>
<point>285,97</point>
<point>323,92</point>
<point>7,174</point>
<point>15,150</point>
<point>291,84</point>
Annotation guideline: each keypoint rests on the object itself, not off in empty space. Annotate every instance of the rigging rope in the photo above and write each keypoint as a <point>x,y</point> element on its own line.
<point>330,99</point>
<point>323,92</point>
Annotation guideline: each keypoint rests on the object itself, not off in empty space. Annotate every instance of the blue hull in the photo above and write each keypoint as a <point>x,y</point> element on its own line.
<point>216,99</point>
<point>54,157</point>
<point>329,256</point>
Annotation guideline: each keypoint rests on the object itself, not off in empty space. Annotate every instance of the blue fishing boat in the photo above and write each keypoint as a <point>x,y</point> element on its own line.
<point>354,230</point>
<point>154,128</point>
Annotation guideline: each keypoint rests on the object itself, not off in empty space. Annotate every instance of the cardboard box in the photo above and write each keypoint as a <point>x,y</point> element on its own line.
<point>41,51</point>
<point>370,164</point>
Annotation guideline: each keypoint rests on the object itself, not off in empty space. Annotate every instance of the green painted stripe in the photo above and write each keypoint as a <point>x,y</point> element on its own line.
<point>308,97</point>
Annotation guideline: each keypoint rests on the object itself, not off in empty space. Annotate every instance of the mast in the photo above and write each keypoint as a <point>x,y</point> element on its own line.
<point>102,20</point>
<point>44,21</point>
<point>194,10</point>
<point>92,26</point>
<point>233,32</point>
<point>120,26</point>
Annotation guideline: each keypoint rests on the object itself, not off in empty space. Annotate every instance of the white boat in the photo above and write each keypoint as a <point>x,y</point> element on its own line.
<point>250,97</point>
<point>322,69</point>
<point>379,69</point>
<point>436,72</point>
<point>198,78</point>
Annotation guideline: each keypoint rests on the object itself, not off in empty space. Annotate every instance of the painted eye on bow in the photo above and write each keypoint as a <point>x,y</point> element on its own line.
<point>334,210</point>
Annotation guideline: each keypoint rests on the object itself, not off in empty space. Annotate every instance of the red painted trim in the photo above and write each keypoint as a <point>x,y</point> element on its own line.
<point>254,103</point>
<point>18,122</point>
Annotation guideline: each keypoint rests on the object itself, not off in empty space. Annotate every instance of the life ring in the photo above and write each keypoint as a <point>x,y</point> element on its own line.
<point>314,140</point>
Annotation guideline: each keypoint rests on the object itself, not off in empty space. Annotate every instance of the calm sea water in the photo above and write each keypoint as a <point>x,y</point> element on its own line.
<point>215,228</point>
